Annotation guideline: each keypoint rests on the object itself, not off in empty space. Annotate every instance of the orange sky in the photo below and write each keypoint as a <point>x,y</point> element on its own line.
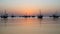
<point>30,7</point>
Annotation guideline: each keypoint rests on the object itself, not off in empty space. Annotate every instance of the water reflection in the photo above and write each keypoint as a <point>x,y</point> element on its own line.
<point>56,20</point>
<point>29,26</point>
<point>3,21</point>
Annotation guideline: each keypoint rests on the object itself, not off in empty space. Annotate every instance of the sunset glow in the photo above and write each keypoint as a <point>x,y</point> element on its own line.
<point>30,7</point>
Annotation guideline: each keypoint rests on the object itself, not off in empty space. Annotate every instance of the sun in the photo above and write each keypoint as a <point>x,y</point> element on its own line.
<point>29,12</point>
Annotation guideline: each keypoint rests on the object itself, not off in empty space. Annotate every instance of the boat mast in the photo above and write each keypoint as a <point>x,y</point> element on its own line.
<point>5,12</point>
<point>40,12</point>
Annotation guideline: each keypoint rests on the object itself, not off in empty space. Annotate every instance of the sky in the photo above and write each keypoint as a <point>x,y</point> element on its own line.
<point>30,7</point>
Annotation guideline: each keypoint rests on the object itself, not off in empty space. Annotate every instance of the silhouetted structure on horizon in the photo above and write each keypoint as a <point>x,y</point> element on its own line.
<point>40,16</point>
<point>26,16</point>
<point>5,15</point>
<point>32,16</point>
<point>55,15</point>
<point>12,16</point>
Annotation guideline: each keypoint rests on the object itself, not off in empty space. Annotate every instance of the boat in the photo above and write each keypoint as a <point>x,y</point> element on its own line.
<point>12,16</point>
<point>5,15</point>
<point>40,16</point>
<point>55,15</point>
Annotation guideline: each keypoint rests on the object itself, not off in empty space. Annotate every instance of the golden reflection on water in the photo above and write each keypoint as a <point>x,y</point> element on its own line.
<point>29,26</point>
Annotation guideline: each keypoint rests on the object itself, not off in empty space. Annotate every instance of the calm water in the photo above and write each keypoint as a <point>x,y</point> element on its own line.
<point>29,26</point>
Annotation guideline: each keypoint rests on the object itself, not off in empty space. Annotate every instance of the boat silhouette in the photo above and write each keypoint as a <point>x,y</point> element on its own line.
<point>32,16</point>
<point>40,16</point>
<point>26,16</point>
<point>12,16</point>
<point>5,15</point>
<point>55,15</point>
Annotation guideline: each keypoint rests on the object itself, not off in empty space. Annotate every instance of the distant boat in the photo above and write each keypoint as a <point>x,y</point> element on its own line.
<point>55,15</point>
<point>40,16</point>
<point>32,16</point>
<point>26,16</point>
<point>5,15</point>
<point>12,16</point>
